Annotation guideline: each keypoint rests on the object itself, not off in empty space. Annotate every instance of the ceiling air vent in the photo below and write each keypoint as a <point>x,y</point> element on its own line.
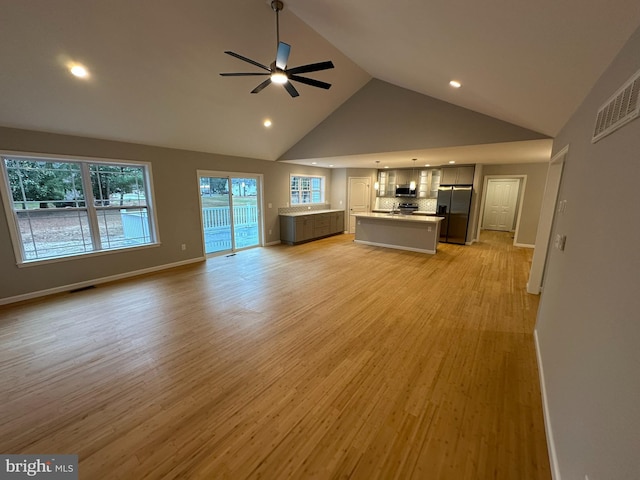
<point>619,110</point>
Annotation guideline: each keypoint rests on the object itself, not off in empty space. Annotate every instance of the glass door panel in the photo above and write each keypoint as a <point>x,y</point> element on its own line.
<point>216,214</point>
<point>245,212</point>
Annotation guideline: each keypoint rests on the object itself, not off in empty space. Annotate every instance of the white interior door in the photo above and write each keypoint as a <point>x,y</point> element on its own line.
<point>500,204</point>
<point>359,198</point>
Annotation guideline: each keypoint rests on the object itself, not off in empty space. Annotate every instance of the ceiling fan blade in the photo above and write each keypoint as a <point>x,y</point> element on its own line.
<point>310,81</point>
<point>291,89</point>
<point>242,74</point>
<point>282,56</point>
<point>259,88</point>
<point>312,67</point>
<point>248,60</point>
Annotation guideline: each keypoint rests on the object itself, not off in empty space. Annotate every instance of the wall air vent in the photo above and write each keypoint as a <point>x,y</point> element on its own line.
<point>619,110</point>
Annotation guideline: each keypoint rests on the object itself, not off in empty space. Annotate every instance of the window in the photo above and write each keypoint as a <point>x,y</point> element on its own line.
<point>306,189</point>
<point>67,207</point>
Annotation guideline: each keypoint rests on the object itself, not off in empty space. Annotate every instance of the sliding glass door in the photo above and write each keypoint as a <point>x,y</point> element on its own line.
<point>230,212</point>
<point>245,212</point>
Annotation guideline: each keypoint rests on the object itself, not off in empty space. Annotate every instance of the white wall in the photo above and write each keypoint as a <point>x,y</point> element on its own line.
<point>588,326</point>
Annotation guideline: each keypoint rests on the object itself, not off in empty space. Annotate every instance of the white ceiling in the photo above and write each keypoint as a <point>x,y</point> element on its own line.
<point>154,65</point>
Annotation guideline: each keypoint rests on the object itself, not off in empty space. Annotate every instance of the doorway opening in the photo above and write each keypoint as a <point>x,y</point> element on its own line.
<point>501,204</point>
<point>231,213</point>
<point>545,223</point>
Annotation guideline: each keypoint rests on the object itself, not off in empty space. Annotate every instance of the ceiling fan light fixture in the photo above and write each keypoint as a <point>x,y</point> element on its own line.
<point>78,71</point>
<point>279,78</point>
<point>455,84</point>
<point>278,72</point>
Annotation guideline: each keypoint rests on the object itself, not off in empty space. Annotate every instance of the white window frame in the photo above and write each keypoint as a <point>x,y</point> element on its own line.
<point>10,212</point>
<point>301,176</point>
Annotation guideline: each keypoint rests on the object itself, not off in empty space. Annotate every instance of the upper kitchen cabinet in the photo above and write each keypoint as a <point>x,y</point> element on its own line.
<point>403,177</point>
<point>429,181</point>
<point>390,191</point>
<point>457,175</point>
<point>381,190</point>
<point>387,181</point>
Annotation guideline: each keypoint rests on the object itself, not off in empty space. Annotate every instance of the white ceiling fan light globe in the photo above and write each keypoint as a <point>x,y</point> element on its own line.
<point>279,78</point>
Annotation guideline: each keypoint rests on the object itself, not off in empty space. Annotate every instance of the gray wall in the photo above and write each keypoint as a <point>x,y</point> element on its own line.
<point>382,117</point>
<point>588,326</point>
<point>338,198</point>
<point>532,202</point>
<point>176,200</point>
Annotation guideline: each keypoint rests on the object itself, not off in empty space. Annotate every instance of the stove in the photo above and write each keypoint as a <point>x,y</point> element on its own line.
<point>407,208</point>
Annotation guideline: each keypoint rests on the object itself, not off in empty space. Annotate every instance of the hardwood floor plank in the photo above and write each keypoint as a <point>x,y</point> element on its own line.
<point>324,360</point>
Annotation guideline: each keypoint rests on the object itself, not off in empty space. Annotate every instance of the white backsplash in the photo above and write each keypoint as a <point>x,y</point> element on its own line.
<point>424,204</point>
<point>305,207</point>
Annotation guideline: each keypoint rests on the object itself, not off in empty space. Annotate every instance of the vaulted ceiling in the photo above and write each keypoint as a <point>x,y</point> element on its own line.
<point>154,64</point>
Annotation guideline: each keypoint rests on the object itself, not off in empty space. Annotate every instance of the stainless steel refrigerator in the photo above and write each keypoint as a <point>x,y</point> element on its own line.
<point>454,204</point>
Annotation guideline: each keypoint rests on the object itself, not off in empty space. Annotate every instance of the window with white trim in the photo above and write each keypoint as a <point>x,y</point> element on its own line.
<point>68,207</point>
<point>306,189</point>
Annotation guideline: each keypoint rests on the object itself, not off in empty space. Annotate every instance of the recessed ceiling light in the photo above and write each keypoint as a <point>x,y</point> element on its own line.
<point>452,161</point>
<point>267,123</point>
<point>79,71</point>
<point>455,84</point>
<point>386,166</point>
<point>427,164</point>
<point>330,165</point>
<point>314,163</point>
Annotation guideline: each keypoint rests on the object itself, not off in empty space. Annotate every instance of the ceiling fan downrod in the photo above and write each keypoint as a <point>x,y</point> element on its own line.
<point>277,6</point>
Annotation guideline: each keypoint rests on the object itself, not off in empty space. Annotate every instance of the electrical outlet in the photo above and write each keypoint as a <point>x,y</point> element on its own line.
<point>270,232</point>
<point>183,247</point>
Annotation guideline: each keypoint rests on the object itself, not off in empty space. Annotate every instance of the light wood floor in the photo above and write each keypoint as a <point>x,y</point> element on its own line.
<point>324,360</point>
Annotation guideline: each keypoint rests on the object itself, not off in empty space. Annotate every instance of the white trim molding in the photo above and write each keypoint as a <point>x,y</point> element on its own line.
<point>551,445</point>
<point>524,245</point>
<point>96,281</point>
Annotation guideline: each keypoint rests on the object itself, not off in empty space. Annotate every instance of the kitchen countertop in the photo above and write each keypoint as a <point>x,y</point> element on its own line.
<point>417,212</point>
<point>309,212</point>
<point>399,217</point>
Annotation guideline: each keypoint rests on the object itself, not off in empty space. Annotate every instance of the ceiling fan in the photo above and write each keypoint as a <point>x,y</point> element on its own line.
<point>278,71</point>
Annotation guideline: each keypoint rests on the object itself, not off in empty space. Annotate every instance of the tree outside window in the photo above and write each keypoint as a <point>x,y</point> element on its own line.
<point>306,189</point>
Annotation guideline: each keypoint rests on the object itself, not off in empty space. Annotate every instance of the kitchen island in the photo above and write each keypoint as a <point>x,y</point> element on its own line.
<point>416,233</point>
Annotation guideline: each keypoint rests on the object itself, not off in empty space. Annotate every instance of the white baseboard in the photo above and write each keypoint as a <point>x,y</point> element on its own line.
<point>95,281</point>
<point>524,245</point>
<point>551,445</point>
<point>275,242</point>
<point>397,247</point>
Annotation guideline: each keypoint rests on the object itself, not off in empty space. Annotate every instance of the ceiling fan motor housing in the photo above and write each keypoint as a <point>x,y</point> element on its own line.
<point>277,5</point>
